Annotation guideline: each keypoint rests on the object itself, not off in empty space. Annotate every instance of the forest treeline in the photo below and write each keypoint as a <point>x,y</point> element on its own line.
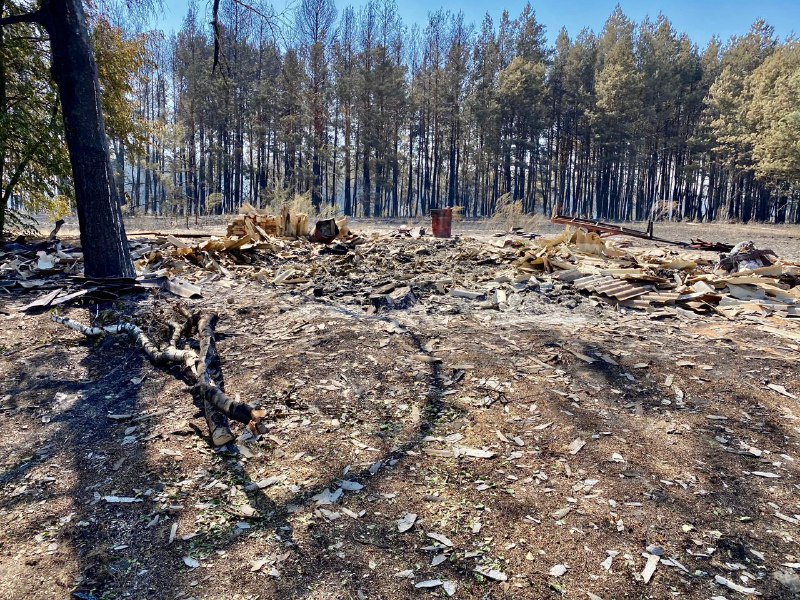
<point>374,117</point>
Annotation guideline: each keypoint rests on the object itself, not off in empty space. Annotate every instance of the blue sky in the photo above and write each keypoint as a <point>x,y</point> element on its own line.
<point>699,18</point>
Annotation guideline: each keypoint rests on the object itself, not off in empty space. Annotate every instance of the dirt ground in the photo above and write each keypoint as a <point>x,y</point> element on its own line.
<point>546,450</point>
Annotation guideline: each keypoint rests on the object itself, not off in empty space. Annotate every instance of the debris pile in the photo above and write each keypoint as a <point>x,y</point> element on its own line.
<point>746,281</point>
<point>258,225</point>
<point>395,270</point>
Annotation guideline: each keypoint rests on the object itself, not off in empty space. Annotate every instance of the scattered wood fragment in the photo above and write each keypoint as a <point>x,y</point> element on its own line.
<point>576,445</point>
<point>406,522</point>
<point>558,570</point>
<point>492,574</point>
<point>752,283</point>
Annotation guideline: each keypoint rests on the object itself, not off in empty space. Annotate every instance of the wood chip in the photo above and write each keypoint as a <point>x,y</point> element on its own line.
<point>350,486</point>
<point>472,452</point>
<point>121,499</point>
<point>587,359</point>
<point>561,513</point>
<point>735,586</point>
<point>650,567</point>
<point>493,574</point>
<point>576,445</point>
<point>558,570</point>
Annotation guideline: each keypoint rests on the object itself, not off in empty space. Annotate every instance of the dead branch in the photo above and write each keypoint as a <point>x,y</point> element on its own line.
<point>204,369</point>
<point>209,376</point>
<point>168,355</point>
<point>57,227</point>
<point>31,17</point>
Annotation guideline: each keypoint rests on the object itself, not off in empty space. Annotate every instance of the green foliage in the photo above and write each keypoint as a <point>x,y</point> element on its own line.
<point>34,164</point>
<point>213,202</point>
<point>619,82</point>
<point>120,60</point>
<point>33,159</point>
<point>773,115</point>
<point>729,96</point>
<point>20,223</point>
<point>375,118</point>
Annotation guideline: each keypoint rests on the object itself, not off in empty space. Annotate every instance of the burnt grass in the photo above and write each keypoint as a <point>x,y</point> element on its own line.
<point>378,398</point>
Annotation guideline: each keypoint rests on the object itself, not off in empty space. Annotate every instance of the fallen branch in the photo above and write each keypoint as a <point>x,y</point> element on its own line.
<point>203,369</point>
<point>169,355</point>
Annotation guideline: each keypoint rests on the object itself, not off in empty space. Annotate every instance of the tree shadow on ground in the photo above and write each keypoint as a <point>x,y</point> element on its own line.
<point>316,564</point>
<point>275,516</point>
<point>82,456</point>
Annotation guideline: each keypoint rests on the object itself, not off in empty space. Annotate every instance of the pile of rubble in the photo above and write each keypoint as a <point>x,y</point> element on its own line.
<point>394,270</point>
<point>745,281</point>
<point>257,224</point>
<point>383,272</point>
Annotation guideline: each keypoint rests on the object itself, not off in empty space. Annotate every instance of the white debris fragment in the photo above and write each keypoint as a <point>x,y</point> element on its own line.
<point>256,565</point>
<point>650,567</point>
<point>430,583</point>
<point>440,538</point>
<point>407,574</point>
<point>265,483</point>
<point>491,573</point>
<point>576,445</point>
<point>735,586</point>
<point>561,513</point>
<point>121,499</point>
<point>327,497</point>
<point>350,486</point>
<point>406,522</point>
<point>781,390</point>
<point>472,452</point>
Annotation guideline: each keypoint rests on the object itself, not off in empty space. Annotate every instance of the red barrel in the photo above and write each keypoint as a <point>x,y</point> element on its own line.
<point>442,219</point>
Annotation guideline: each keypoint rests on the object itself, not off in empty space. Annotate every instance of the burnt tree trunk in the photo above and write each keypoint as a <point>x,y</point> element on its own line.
<point>105,246</point>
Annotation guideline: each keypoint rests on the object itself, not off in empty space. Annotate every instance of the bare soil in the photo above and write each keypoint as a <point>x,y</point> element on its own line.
<point>604,433</point>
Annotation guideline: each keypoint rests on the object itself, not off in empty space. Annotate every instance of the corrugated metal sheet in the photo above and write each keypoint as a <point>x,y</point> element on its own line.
<point>611,287</point>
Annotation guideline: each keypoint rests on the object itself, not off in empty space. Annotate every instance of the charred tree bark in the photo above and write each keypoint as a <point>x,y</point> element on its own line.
<point>105,247</point>
<point>211,384</point>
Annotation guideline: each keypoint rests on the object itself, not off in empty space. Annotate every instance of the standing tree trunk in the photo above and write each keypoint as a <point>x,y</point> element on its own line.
<point>105,246</point>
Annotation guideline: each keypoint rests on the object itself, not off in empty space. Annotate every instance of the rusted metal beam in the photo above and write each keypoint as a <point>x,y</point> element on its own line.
<point>607,229</point>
